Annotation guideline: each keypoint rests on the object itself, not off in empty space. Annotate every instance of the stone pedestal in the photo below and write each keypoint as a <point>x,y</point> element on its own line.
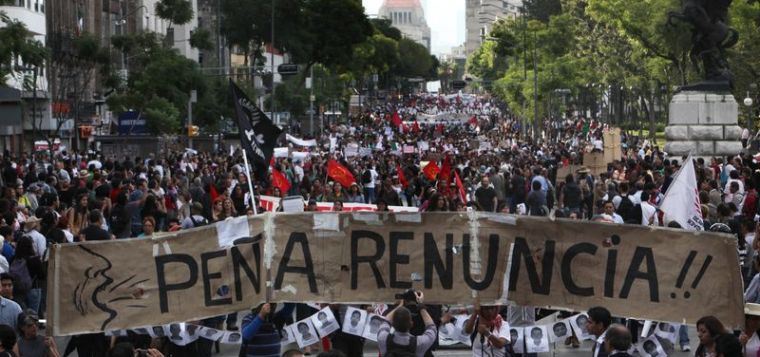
<point>703,124</point>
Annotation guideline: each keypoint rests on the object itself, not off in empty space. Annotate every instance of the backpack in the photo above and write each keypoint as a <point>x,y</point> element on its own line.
<point>636,215</point>
<point>22,280</point>
<point>392,349</point>
<point>366,177</point>
<point>625,209</point>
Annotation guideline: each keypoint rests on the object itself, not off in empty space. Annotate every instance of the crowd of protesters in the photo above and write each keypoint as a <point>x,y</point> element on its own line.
<point>485,162</point>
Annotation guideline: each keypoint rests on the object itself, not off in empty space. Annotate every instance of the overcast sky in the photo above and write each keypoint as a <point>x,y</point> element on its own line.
<point>445,18</point>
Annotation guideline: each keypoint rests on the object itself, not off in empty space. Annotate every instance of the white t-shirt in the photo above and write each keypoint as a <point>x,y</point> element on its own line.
<point>374,176</point>
<point>753,345</point>
<point>486,348</point>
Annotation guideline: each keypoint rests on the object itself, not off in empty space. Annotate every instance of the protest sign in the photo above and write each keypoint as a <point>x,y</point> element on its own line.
<point>612,145</point>
<point>365,257</point>
<point>98,286</point>
<point>595,162</point>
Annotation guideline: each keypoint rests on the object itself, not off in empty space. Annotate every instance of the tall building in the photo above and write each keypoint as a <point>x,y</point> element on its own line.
<point>409,17</point>
<point>480,16</point>
<point>145,19</point>
<point>24,95</point>
<point>210,19</point>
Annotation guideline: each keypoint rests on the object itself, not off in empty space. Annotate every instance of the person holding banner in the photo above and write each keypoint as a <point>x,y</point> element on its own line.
<point>489,332</point>
<point>261,335</point>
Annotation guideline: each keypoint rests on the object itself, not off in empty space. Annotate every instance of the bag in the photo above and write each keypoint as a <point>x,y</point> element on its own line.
<point>636,216</point>
<point>393,349</point>
<point>625,209</point>
<point>366,177</point>
<point>22,280</point>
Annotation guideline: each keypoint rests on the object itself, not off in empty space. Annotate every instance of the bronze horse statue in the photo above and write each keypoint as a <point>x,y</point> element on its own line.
<point>711,36</point>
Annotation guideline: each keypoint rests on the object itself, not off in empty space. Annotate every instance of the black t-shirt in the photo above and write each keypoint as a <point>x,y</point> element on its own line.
<point>94,233</point>
<point>485,196</point>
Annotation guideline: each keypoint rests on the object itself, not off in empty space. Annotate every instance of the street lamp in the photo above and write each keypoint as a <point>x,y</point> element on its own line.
<point>748,103</point>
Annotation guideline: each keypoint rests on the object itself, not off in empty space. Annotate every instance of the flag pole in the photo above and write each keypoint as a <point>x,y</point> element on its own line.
<point>250,183</point>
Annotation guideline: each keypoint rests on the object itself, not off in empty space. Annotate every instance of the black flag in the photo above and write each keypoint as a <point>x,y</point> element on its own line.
<point>258,135</point>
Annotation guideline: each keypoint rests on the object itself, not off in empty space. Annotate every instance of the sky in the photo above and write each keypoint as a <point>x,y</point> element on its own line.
<point>446,21</point>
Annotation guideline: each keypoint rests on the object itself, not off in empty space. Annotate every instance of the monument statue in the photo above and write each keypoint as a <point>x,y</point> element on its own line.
<point>711,36</point>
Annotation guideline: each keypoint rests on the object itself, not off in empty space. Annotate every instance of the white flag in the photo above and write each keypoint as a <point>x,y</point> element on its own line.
<point>681,202</point>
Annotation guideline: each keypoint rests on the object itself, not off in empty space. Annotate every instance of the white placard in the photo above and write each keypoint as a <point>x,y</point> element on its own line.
<point>651,347</point>
<point>280,152</point>
<point>536,339</point>
<point>230,229</point>
<point>305,333</point>
<point>373,327</point>
<point>518,342</point>
<point>354,321</point>
<point>292,204</point>
<point>560,330</point>
<point>325,322</point>
<point>578,322</point>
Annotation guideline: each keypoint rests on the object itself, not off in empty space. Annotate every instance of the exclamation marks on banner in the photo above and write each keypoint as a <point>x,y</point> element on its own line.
<point>685,271</point>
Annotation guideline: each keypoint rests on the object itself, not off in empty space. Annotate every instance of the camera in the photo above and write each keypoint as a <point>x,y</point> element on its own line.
<point>407,295</point>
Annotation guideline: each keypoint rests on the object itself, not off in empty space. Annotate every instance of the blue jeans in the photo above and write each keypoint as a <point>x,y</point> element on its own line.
<point>683,335</point>
<point>369,195</point>
<point>33,300</point>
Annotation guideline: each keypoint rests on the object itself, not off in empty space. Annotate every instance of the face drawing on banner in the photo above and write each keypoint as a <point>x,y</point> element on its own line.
<point>325,323</point>
<point>104,291</point>
<point>141,331</point>
<point>536,339</point>
<point>158,331</point>
<point>174,331</point>
<point>191,329</point>
<point>234,337</point>
<point>666,327</point>
<point>560,330</point>
<point>353,323</point>
<point>516,338</point>
<point>650,348</point>
<point>582,322</point>
<point>374,324</point>
<point>305,331</point>
<point>536,336</point>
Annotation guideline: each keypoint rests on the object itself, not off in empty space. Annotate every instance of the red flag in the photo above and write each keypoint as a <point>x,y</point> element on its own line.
<point>280,181</point>
<point>460,187</point>
<point>431,171</point>
<point>439,129</point>
<point>473,121</point>
<point>445,174</point>
<point>396,119</point>
<point>404,128</point>
<point>212,192</point>
<point>340,174</point>
<point>401,176</point>
<point>416,127</point>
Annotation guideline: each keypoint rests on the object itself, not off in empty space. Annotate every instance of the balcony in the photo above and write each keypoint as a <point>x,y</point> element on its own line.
<point>34,21</point>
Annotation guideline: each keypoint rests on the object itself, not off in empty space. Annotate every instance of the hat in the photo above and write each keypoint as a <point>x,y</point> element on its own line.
<point>84,173</point>
<point>583,170</point>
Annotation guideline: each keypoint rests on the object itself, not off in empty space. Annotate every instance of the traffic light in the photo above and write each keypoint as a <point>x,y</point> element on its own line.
<point>192,131</point>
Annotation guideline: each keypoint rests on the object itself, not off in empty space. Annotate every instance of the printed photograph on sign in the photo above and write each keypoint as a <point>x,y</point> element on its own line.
<point>462,336</point>
<point>536,339</point>
<point>560,330</point>
<point>651,347</point>
<point>211,333</point>
<point>373,327</point>
<point>141,330</point>
<point>190,333</point>
<point>354,321</point>
<point>579,323</point>
<point>234,338</point>
<point>667,331</point>
<point>157,331</point>
<point>517,340</point>
<point>325,322</point>
<point>305,333</point>
<point>286,337</point>
<point>175,332</point>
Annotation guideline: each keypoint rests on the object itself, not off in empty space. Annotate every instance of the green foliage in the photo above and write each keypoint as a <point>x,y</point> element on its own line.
<point>161,116</point>
<point>160,84</point>
<point>385,27</point>
<point>178,12</point>
<point>16,42</point>
<point>542,10</point>
<point>201,39</point>
<point>415,59</point>
<point>333,28</point>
